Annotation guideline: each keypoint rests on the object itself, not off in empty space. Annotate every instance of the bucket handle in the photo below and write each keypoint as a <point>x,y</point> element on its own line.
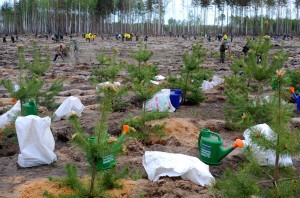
<point>216,134</point>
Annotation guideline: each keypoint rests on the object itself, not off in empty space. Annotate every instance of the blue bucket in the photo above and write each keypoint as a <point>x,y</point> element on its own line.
<point>176,97</point>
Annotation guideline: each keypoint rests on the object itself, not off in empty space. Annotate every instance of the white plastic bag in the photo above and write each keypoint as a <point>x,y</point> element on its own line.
<point>9,116</point>
<point>36,141</point>
<point>70,105</point>
<point>262,156</point>
<point>160,101</point>
<point>158,164</point>
<point>104,84</point>
<point>210,84</point>
<point>159,77</point>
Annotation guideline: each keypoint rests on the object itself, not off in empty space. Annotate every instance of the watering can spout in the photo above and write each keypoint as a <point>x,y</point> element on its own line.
<point>238,143</point>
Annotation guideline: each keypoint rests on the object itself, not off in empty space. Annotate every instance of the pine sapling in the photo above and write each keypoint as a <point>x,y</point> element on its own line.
<point>98,147</point>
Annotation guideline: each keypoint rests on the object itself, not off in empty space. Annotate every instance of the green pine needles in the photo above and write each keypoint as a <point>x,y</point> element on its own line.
<point>245,93</point>
<point>32,86</point>
<point>245,107</point>
<point>107,70</point>
<point>192,75</point>
<point>101,149</point>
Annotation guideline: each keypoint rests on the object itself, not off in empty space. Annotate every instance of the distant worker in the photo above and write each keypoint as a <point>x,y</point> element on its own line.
<point>88,37</point>
<point>12,38</point>
<point>127,36</point>
<point>245,49</point>
<point>222,52</point>
<point>4,39</point>
<point>225,38</point>
<point>76,47</point>
<point>209,38</point>
<point>146,38</point>
<point>136,37</point>
<point>58,52</point>
<point>116,35</point>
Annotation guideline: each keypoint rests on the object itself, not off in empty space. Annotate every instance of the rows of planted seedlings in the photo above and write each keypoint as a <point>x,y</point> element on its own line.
<point>257,93</point>
<point>101,149</point>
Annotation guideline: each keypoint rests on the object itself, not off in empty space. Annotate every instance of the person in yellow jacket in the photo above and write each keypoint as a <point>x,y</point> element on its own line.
<point>93,37</point>
<point>225,38</point>
<point>88,37</point>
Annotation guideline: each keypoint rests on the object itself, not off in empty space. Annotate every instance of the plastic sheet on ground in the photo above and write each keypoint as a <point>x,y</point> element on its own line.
<point>104,84</point>
<point>154,82</point>
<point>210,84</point>
<point>36,141</point>
<point>158,164</point>
<point>160,102</point>
<point>10,115</point>
<point>159,77</point>
<point>262,156</point>
<point>70,105</point>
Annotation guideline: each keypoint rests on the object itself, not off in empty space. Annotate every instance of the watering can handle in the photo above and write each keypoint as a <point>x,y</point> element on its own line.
<point>217,135</point>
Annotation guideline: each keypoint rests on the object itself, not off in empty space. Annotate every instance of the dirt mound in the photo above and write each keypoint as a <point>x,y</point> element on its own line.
<point>36,189</point>
<point>126,190</point>
<point>184,131</point>
<point>173,187</point>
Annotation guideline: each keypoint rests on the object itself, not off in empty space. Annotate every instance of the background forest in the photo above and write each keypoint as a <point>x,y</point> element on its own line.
<point>239,17</point>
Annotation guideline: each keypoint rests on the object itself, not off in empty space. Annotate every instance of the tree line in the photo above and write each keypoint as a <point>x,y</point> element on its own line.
<point>239,17</point>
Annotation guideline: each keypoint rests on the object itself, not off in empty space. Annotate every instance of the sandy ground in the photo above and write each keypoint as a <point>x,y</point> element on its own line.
<point>182,127</point>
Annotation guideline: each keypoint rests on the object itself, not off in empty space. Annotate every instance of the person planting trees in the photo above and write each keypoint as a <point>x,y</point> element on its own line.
<point>223,48</point>
<point>58,52</point>
<point>225,38</point>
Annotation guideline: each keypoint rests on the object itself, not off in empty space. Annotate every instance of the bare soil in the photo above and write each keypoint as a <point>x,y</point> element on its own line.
<point>182,126</point>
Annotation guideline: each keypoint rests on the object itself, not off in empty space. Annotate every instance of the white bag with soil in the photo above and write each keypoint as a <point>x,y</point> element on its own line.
<point>71,105</point>
<point>10,115</point>
<point>158,164</point>
<point>36,141</point>
<point>160,102</point>
<point>262,156</point>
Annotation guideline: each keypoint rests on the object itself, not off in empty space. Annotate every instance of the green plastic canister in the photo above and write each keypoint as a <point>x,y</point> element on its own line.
<point>210,147</point>
<point>29,108</point>
<point>106,162</point>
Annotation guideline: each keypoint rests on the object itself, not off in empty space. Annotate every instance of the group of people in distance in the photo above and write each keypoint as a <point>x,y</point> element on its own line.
<point>128,36</point>
<point>12,38</point>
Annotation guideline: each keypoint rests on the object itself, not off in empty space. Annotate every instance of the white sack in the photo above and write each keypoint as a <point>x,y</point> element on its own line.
<point>159,77</point>
<point>9,116</point>
<point>104,84</point>
<point>70,105</point>
<point>158,164</point>
<point>154,82</point>
<point>265,157</point>
<point>160,101</point>
<point>36,141</point>
<point>210,84</point>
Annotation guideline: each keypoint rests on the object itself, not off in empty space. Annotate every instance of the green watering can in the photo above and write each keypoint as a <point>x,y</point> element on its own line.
<point>210,147</point>
<point>109,160</point>
<point>29,108</point>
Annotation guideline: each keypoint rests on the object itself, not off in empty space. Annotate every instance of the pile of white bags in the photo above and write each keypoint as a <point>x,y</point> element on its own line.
<point>262,156</point>
<point>9,116</point>
<point>36,141</point>
<point>210,84</point>
<point>160,101</point>
<point>158,164</point>
<point>70,105</point>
